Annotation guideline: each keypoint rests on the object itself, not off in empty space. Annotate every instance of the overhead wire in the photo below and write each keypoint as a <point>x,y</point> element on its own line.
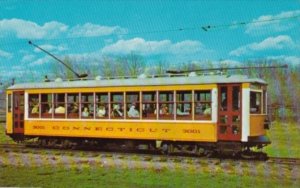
<point>180,29</point>
<point>206,28</point>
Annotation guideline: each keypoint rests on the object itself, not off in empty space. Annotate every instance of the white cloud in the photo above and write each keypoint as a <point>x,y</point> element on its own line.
<point>140,46</point>
<point>293,60</point>
<point>85,57</point>
<point>278,23</point>
<point>25,29</point>
<point>49,47</point>
<point>227,62</point>
<point>275,43</point>
<point>40,61</point>
<point>186,47</point>
<point>27,58</point>
<point>290,60</point>
<point>92,30</point>
<point>5,54</point>
<point>30,30</point>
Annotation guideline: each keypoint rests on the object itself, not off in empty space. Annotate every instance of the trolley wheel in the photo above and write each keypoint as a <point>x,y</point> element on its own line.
<point>167,149</point>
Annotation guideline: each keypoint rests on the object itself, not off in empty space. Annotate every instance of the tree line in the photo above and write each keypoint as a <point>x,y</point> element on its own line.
<point>283,84</point>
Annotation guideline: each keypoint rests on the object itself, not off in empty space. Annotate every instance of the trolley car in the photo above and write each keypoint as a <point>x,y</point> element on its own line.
<point>196,113</point>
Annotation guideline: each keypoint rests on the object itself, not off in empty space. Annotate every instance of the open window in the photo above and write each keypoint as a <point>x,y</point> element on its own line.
<point>73,105</point>
<point>184,105</point>
<point>87,105</point>
<point>59,105</point>
<point>133,105</point>
<point>9,103</point>
<point>149,105</point>
<point>102,106</point>
<point>46,106</point>
<point>236,98</point>
<point>264,107</point>
<point>202,105</point>
<point>34,105</point>
<point>255,102</point>
<point>166,105</point>
<point>117,106</point>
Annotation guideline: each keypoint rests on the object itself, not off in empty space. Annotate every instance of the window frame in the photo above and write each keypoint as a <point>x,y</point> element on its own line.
<point>71,105</point>
<point>151,113</point>
<point>129,103</point>
<point>9,103</point>
<point>261,102</point>
<point>183,114</point>
<point>57,104</point>
<point>106,105</point>
<point>203,104</point>
<point>31,105</point>
<point>169,104</point>
<point>122,106</point>
<point>44,103</point>
<point>90,105</point>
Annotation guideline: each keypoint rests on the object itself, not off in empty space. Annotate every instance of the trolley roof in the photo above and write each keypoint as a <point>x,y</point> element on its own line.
<point>188,80</point>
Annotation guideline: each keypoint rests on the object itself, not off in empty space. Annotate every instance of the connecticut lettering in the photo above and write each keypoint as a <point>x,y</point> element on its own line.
<point>103,129</point>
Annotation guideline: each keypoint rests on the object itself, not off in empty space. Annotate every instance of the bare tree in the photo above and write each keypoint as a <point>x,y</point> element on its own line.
<point>107,68</point>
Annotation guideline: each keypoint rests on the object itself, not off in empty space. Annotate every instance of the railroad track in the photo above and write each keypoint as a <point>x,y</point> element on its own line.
<point>11,146</point>
<point>284,160</point>
<point>139,155</point>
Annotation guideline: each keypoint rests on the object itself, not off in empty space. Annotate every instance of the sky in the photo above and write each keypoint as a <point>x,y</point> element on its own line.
<point>235,31</point>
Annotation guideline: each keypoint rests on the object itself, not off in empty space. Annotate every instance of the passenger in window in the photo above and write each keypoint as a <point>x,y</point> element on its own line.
<point>85,112</point>
<point>133,112</point>
<point>164,110</point>
<point>35,109</point>
<point>74,108</point>
<point>224,104</point>
<point>116,111</point>
<point>148,109</point>
<point>144,110</point>
<point>180,113</point>
<point>101,111</point>
<point>60,110</point>
<point>199,109</point>
<point>207,110</point>
<point>50,109</point>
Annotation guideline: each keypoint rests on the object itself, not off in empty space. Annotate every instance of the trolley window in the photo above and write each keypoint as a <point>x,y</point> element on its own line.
<point>133,105</point>
<point>166,105</point>
<point>202,105</point>
<point>73,105</point>
<point>102,105</point>
<point>46,105</point>
<point>87,105</point>
<point>149,105</point>
<point>264,107</point>
<point>9,103</point>
<point>255,102</point>
<point>236,98</point>
<point>117,106</point>
<point>183,105</point>
<point>59,104</point>
<point>34,105</point>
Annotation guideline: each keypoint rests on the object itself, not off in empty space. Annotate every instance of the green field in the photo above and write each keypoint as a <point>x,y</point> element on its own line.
<point>285,141</point>
<point>102,177</point>
<point>3,138</point>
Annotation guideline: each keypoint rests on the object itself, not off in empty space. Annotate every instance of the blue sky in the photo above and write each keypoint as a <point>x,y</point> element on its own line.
<point>168,31</point>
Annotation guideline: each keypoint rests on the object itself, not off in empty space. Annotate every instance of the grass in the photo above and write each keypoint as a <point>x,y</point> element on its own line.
<point>4,139</point>
<point>285,140</point>
<point>105,177</point>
